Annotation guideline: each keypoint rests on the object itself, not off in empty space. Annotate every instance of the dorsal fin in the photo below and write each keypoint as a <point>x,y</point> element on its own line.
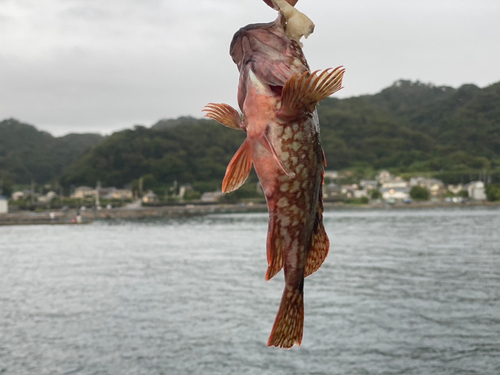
<point>275,251</point>
<point>302,92</point>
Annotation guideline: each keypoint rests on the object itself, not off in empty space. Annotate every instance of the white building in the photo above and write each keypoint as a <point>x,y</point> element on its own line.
<point>476,190</point>
<point>396,193</point>
<point>4,206</point>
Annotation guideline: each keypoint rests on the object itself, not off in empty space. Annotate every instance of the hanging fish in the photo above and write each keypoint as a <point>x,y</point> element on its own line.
<point>277,95</point>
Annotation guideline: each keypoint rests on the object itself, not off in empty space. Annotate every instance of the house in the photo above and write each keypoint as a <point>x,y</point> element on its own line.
<point>48,197</point>
<point>476,190</point>
<point>435,187</point>
<point>331,191</point>
<point>332,175</point>
<point>83,192</point>
<point>455,189</point>
<point>383,177</point>
<point>394,183</point>
<point>395,194</point>
<point>360,193</point>
<point>117,194</point>
<point>150,197</point>
<point>368,184</point>
<point>17,195</point>
<point>4,206</point>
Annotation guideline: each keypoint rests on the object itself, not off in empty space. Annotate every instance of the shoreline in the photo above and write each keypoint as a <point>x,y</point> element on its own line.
<point>89,216</point>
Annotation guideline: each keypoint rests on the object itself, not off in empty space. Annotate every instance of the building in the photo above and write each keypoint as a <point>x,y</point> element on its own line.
<point>476,190</point>
<point>435,187</point>
<point>455,189</point>
<point>383,177</point>
<point>84,192</point>
<point>4,206</point>
<point>117,194</point>
<point>395,194</point>
<point>48,197</point>
<point>150,197</point>
<point>368,184</point>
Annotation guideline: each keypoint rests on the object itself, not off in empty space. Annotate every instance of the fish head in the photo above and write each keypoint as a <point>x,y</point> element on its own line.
<point>264,39</point>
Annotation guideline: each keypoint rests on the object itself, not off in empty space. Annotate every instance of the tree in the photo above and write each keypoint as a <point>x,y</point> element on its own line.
<point>419,193</point>
<point>493,192</point>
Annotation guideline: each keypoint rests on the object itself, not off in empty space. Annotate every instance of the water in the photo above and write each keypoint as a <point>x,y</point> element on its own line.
<point>402,292</point>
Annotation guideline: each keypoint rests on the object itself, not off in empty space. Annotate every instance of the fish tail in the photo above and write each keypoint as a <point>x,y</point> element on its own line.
<point>289,323</point>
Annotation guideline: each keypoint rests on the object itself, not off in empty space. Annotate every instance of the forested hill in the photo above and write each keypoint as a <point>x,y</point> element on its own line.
<point>27,153</point>
<point>408,127</point>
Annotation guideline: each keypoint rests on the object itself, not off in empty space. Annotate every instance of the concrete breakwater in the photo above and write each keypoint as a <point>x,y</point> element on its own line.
<point>90,215</point>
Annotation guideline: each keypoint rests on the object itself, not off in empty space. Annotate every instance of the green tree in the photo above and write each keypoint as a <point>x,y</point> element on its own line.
<point>493,192</point>
<point>419,193</point>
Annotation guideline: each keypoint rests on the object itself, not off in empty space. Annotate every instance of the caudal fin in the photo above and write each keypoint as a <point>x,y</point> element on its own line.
<point>289,323</point>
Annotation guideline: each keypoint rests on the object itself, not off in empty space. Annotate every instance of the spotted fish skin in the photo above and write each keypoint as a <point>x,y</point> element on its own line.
<point>278,96</point>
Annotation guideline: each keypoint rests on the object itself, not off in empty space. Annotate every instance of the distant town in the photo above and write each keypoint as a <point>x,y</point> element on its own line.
<point>385,188</point>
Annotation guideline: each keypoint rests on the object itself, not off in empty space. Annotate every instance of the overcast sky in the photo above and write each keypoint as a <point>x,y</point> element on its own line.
<point>100,66</point>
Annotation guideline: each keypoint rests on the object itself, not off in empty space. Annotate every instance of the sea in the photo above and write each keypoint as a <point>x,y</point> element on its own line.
<point>403,291</point>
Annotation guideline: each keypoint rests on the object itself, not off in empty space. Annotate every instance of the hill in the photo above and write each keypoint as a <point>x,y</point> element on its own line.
<point>27,153</point>
<point>407,127</point>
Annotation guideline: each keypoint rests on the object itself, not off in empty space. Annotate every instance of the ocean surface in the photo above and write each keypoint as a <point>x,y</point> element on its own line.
<point>401,292</point>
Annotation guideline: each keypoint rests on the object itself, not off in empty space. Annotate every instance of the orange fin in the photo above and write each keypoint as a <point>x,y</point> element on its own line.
<point>274,249</point>
<point>269,147</point>
<point>224,114</point>
<point>238,169</point>
<point>303,91</point>
<point>320,245</point>
<point>289,323</point>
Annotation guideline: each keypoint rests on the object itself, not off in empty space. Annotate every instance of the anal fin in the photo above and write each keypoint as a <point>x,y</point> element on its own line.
<point>238,169</point>
<point>224,114</point>
<point>275,253</point>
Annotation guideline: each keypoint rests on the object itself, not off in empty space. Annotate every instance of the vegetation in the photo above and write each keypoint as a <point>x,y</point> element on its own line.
<point>29,154</point>
<point>450,134</point>
<point>419,193</point>
<point>493,192</point>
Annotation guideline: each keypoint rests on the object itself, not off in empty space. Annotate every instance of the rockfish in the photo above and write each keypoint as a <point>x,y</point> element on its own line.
<point>277,95</point>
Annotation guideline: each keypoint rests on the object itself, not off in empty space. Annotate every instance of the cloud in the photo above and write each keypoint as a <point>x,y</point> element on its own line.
<point>75,65</point>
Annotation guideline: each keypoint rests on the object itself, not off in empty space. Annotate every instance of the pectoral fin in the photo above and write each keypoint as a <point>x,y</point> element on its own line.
<point>238,169</point>
<point>303,91</point>
<point>224,114</point>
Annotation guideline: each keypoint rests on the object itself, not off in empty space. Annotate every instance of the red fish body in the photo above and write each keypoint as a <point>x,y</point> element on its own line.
<point>278,95</point>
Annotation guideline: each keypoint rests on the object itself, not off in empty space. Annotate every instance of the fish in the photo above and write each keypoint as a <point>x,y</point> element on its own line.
<point>277,96</point>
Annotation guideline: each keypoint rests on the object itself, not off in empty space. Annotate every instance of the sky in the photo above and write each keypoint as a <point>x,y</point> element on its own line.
<point>101,66</point>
